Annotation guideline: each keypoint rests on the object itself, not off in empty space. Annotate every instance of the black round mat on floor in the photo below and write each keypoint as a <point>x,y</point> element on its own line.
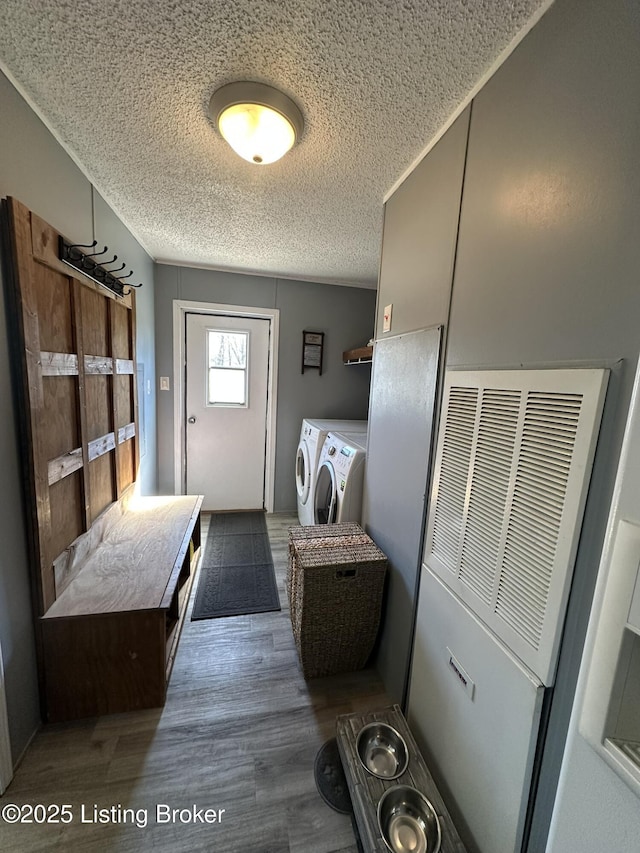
<point>330,779</point>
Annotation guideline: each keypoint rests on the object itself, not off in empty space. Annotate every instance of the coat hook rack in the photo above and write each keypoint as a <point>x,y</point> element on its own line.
<point>88,265</point>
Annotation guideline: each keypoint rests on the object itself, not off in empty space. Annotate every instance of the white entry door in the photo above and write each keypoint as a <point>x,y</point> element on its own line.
<point>227,366</point>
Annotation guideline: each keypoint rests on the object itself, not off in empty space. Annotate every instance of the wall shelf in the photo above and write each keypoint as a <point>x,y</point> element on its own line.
<point>361,355</point>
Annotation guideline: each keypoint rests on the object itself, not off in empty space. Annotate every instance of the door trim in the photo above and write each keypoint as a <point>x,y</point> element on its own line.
<point>181,308</point>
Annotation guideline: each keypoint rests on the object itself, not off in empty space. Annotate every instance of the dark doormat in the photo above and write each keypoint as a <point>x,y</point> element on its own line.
<point>332,783</point>
<point>236,549</point>
<point>221,523</point>
<point>237,575</point>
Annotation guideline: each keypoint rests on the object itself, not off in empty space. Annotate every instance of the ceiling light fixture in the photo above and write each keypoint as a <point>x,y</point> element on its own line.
<point>259,122</point>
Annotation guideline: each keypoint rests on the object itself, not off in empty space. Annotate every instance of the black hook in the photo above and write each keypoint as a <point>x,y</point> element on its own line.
<point>121,277</point>
<point>72,252</point>
<point>117,269</point>
<point>83,245</point>
<point>97,254</point>
<point>127,292</point>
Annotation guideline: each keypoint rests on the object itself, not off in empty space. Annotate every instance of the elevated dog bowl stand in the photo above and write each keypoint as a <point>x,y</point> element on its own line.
<point>366,789</point>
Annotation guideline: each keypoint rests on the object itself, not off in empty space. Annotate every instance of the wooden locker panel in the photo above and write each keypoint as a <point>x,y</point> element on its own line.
<point>95,323</point>
<point>123,374</point>
<point>60,409</point>
<point>121,332</point>
<point>101,484</point>
<point>99,406</point>
<point>124,395</point>
<point>126,464</point>
<point>67,518</point>
<point>21,279</point>
<point>123,400</point>
<point>53,295</point>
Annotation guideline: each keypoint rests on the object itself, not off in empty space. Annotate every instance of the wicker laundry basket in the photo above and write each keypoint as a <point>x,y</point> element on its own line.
<point>323,531</point>
<point>337,582</point>
<point>314,536</point>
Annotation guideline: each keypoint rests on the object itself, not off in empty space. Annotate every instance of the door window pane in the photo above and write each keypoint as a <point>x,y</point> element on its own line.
<point>227,386</point>
<point>227,349</point>
<point>227,368</point>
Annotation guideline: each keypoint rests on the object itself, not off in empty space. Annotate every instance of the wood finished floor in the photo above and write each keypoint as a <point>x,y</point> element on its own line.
<point>240,731</point>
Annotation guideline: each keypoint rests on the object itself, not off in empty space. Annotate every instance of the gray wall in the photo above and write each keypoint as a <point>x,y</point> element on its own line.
<point>416,270</point>
<point>344,314</point>
<point>36,170</point>
<point>547,262</point>
<point>419,238</point>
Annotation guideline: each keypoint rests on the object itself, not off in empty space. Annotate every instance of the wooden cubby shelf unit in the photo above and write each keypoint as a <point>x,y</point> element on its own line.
<point>110,573</point>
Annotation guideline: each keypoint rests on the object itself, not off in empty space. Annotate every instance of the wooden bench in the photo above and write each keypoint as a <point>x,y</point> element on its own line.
<point>110,637</point>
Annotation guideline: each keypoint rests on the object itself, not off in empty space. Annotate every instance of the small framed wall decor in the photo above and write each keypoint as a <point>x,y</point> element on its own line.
<point>312,347</point>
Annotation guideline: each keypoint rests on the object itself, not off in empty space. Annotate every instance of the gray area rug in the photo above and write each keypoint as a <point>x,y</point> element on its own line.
<point>237,575</point>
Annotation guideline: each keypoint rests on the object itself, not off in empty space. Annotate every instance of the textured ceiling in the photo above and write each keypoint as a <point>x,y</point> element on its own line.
<point>125,86</point>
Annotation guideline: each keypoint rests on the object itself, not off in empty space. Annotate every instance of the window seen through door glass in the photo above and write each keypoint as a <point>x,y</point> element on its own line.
<point>227,368</point>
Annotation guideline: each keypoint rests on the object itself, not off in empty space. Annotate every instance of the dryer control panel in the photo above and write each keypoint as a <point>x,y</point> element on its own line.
<point>343,460</point>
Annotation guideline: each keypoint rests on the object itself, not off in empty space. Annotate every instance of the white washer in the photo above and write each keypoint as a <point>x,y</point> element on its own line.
<point>339,481</point>
<point>312,436</point>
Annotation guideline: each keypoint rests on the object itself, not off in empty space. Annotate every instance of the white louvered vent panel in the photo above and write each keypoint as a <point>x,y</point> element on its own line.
<point>544,464</point>
<point>454,473</point>
<point>511,474</point>
<point>492,464</point>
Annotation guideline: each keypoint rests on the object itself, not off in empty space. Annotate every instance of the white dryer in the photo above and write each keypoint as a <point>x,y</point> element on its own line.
<point>339,481</point>
<point>312,437</point>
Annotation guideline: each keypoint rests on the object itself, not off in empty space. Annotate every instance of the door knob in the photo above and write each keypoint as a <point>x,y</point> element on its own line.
<point>192,420</point>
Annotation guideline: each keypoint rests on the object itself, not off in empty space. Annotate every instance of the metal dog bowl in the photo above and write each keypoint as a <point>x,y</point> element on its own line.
<point>382,751</point>
<point>407,821</point>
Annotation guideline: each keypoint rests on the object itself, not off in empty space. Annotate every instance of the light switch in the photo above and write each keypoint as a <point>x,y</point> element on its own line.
<point>386,321</point>
<point>164,383</point>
